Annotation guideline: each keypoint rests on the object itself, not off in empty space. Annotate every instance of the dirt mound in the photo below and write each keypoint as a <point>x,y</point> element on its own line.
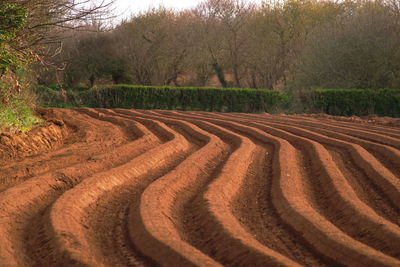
<point>148,188</point>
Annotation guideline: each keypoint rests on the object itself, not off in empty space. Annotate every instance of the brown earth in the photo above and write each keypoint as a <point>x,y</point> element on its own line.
<point>97,187</point>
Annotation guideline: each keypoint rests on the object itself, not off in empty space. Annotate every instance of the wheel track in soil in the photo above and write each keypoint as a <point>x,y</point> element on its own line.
<point>145,188</point>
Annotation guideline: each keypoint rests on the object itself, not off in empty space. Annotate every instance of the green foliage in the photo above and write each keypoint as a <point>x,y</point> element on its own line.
<point>360,102</point>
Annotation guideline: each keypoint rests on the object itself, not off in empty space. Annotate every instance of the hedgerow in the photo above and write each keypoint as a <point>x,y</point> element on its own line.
<point>180,98</point>
<point>343,102</point>
<point>348,102</point>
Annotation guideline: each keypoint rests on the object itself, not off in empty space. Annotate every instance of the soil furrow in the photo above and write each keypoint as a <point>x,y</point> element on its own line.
<point>370,174</point>
<point>339,203</point>
<point>386,155</point>
<point>42,190</point>
<point>212,227</point>
<point>156,218</point>
<point>367,168</point>
<point>363,134</point>
<point>68,155</point>
<point>287,136</point>
<point>391,131</point>
<point>71,225</point>
<point>382,185</point>
<point>276,237</point>
<point>169,188</point>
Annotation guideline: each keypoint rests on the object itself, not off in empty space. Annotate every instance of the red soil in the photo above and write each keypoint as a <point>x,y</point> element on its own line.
<point>128,187</point>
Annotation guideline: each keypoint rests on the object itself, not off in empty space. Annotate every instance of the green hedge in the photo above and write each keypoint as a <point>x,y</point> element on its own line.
<point>348,102</point>
<point>343,102</point>
<point>184,98</point>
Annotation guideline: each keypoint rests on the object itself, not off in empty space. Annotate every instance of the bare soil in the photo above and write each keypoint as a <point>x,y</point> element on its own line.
<point>99,187</point>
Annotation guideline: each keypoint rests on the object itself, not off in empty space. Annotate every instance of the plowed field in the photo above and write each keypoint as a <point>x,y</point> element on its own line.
<point>148,188</point>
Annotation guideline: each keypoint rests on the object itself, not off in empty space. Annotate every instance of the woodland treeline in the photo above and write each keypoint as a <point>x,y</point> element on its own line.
<point>293,44</point>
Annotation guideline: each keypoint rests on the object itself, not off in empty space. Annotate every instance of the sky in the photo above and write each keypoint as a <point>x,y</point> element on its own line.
<point>126,7</point>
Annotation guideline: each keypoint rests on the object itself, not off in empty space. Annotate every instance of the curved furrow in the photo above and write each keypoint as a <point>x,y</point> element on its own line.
<point>175,188</point>
<point>342,196</point>
<point>218,200</point>
<point>42,164</point>
<point>69,223</point>
<point>74,151</point>
<point>121,203</point>
<point>391,131</point>
<point>340,203</point>
<point>376,175</point>
<point>41,239</point>
<point>373,137</point>
<point>388,156</point>
<point>154,222</point>
<point>351,204</point>
<point>35,194</point>
<point>379,174</point>
<point>374,184</point>
<point>360,129</point>
<point>130,130</point>
<point>290,199</point>
<point>162,224</point>
<point>379,129</point>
